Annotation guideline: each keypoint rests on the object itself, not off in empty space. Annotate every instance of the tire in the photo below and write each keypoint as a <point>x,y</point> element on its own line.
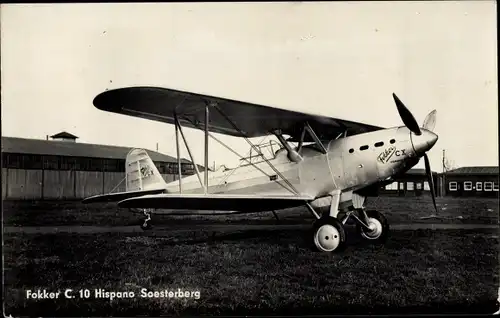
<point>147,227</point>
<point>381,225</point>
<point>328,235</point>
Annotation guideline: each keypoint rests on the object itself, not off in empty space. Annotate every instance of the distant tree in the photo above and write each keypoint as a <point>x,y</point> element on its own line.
<point>449,164</point>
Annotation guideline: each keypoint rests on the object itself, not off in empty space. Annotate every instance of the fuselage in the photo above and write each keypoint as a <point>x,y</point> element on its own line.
<point>351,163</point>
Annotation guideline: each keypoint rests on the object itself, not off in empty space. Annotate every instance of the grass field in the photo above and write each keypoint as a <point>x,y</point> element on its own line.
<point>396,209</point>
<point>254,273</point>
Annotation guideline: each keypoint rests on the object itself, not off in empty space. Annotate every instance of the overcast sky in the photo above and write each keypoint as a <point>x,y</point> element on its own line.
<point>339,59</point>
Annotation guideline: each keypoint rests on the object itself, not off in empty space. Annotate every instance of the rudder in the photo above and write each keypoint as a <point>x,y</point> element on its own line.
<point>141,172</point>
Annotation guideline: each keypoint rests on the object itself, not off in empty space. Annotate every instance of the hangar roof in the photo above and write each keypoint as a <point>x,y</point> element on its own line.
<point>74,149</point>
<point>64,134</point>
<point>418,171</point>
<point>489,170</point>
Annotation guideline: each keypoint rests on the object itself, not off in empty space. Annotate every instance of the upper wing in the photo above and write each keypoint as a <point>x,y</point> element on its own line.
<point>219,202</point>
<point>253,120</point>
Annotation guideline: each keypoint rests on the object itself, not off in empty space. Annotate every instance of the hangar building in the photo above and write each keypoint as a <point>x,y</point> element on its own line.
<point>412,183</point>
<point>65,169</point>
<point>464,181</point>
<point>472,181</point>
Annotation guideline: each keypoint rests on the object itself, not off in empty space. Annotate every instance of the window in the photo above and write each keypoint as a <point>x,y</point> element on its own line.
<point>379,144</point>
<point>392,186</point>
<point>351,150</point>
<point>401,186</point>
<point>14,160</point>
<point>495,186</point>
<point>393,141</point>
<point>120,165</point>
<point>111,165</point>
<point>30,161</point>
<point>158,166</point>
<point>95,164</point>
<point>363,147</point>
<point>409,186</point>
<point>51,162</point>
<point>479,186</point>
<point>452,186</point>
<point>82,163</point>
<point>67,163</point>
<point>187,167</point>
<point>162,167</point>
<point>426,186</point>
<point>467,186</point>
<point>171,168</point>
<point>488,186</point>
<point>419,186</point>
<point>4,160</point>
<point>25,161</point>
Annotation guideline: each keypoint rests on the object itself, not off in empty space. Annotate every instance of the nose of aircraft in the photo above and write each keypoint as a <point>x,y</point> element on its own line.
<point>424,142</point>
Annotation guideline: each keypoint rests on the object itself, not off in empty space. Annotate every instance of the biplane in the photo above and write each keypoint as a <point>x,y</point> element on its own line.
<point>328,165</point>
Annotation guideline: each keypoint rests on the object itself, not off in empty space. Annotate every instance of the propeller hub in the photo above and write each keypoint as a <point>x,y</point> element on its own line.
<point>423,142</point>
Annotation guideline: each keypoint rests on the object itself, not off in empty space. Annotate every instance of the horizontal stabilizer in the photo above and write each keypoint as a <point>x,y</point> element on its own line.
<point>219,202</point>
<point>119,196</point>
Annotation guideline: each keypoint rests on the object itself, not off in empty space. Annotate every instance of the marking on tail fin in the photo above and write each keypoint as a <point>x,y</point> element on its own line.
<point>146,171</point>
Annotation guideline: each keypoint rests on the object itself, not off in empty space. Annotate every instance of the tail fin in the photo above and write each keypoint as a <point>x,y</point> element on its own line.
<point>141,172</point>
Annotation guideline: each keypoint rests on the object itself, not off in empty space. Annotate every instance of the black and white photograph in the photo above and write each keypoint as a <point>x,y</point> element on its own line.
<point>250,158</point>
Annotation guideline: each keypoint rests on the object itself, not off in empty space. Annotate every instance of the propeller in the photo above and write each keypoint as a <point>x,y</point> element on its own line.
<point>428,172</point>
<point>412,125</point>
<point>407,116</point>
<point>430,121</point>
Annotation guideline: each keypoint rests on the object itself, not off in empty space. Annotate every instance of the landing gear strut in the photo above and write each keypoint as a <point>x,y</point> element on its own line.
<point>378,227</point>
<point>146,226</point>
<point>370,225</point>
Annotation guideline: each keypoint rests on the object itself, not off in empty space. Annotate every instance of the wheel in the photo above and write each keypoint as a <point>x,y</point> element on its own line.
<point>379,225</point>
<point>146,226</point>
<point>328,234</point>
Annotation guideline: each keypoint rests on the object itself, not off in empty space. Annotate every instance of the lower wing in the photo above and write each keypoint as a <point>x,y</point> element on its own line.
<point>220,202</point>
<point>119,196</point>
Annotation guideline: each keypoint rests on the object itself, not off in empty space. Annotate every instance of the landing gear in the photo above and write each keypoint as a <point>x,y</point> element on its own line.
<point>328,230</point>
<point>378,227</point>
<point>328,234</point>
<point>146,226</point>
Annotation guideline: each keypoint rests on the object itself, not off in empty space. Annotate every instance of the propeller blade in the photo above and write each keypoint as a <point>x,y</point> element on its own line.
<point>430,121</point>
<point>407,116</point>
<point>428,171</point>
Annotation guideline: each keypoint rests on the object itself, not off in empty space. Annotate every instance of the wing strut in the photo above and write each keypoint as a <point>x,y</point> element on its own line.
<point>245,159</point>
<point>315,137</point>
<point>189,152</point>
<point>241,157</point>
<point>206,147</point>
<point>178,154</point>
<point>256,149</point>
<point>301,141</point>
